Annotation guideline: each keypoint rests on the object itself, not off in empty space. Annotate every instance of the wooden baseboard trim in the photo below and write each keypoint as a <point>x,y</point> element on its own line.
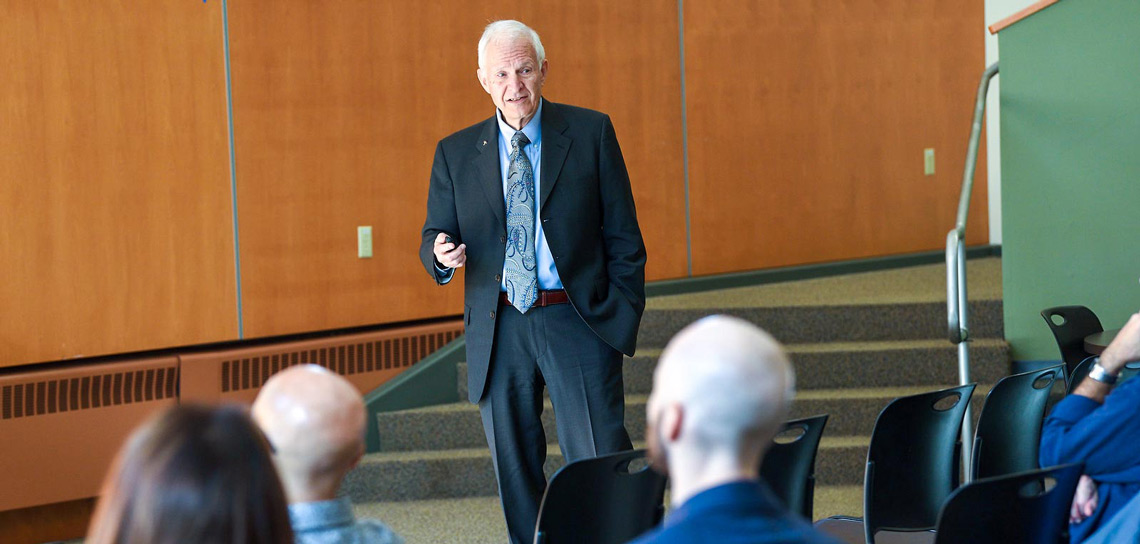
<point>47,523</point>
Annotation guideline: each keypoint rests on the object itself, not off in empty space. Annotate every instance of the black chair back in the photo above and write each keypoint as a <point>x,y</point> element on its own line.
<point>1079,373</point>
<point>1009,429</point>
<point>601,500</point>
<point>1028,507</point>
<point>912,461</point>
<point>789,465</point>
<point>1077,322</point>
<point>1129,371</point>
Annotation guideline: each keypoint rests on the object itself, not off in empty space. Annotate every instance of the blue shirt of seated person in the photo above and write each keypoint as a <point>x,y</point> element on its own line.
<point>1097,426</point>
<point>738,512</point>
<point>1106,438</point>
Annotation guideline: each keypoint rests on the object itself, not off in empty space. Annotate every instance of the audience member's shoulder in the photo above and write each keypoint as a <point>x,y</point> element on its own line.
<point>798,530</point>
<point>794,531</point>
<point>364,531</point>
<point>373,532</point>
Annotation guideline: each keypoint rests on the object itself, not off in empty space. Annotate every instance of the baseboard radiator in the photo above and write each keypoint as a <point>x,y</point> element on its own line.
<point>367,360</point>
<point>61,427</point>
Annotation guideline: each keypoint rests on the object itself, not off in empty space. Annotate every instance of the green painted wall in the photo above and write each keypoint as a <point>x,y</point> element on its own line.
<point>1070,137</point>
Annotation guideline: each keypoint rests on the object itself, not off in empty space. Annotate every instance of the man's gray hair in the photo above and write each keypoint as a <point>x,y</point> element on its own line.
<point>509,30</point>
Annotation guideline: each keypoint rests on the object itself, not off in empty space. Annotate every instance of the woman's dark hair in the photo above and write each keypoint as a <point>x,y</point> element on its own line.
<point>193,474</point>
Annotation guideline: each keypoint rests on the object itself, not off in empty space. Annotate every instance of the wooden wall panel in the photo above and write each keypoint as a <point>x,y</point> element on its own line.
<point>807,124</point>
<point>338,107</point>
<point>114,180</point>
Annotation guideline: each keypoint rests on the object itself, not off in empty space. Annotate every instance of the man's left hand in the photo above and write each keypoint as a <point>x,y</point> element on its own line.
<point>1084,500</point>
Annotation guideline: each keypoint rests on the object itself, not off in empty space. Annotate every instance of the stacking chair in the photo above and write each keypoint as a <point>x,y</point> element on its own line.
<point>789,466</point>
<point>601,500</point>
<point>1028,507</point>
<point>912,465</point>
<point>1009,429</point>
<point>1077,322</point>
<point>1082,371</point>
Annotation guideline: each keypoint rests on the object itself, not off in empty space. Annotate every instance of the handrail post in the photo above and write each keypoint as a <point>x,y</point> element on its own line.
<point>957,308</point>
<point>964,366</point>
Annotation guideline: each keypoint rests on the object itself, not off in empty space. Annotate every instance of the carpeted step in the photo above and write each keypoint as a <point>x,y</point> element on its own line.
<point>841,460</point>
<point>458,425</point>
<point>852,364</point>
<point>423,475</point>
<point>832,323</point>
<point>857,342</point>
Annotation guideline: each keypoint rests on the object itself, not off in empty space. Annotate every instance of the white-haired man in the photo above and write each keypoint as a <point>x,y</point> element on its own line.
<point>720,394</point>
<point>314,420</point>
<point>1097,426</point>
<point>536,203</point>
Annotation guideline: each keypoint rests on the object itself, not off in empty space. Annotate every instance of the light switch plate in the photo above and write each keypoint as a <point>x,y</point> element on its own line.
<point>364,242</point>
<point>928,161</point>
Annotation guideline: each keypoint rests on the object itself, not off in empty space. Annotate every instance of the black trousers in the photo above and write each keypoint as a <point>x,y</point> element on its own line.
<point>547,347</point>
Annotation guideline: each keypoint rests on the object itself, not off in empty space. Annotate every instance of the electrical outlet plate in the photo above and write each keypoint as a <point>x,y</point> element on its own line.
<point>364,242</point>
<point>928,161</point>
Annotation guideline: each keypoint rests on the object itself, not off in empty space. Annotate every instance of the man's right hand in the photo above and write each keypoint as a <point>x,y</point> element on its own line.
<point>1124,348</point>
<point>447,254</point>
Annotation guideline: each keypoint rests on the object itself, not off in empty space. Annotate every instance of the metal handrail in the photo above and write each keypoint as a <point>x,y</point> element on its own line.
<point>956,304</point>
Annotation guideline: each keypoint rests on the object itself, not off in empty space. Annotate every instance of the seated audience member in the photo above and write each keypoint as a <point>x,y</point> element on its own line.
<point>314,420</point>
<point>721,392</point>
<point>192,474</point>
<point>1102,431</point>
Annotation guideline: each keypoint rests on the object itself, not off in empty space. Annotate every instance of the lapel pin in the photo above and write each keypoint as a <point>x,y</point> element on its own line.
<point>484,142</point>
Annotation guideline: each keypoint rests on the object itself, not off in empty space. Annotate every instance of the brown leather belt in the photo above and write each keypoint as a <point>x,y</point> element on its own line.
<point>545,298</point>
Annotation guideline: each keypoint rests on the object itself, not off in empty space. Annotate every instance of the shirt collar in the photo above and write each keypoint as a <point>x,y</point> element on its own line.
<point>533,128</point>
<point>307,516</point>
<point>744,493</point>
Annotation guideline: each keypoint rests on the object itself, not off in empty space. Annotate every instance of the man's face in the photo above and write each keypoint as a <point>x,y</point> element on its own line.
<point>513,77</point>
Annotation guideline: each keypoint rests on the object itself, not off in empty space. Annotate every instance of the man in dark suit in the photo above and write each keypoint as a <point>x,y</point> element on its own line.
<point>721,391</point>
<point>536,203</point>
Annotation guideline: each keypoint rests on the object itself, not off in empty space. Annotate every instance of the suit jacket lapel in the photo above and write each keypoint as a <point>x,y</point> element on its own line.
<point>487,168</point>
<point>555,146</point>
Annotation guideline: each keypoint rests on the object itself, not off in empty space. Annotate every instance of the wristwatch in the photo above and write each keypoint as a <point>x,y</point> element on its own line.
<point>1101,375</point>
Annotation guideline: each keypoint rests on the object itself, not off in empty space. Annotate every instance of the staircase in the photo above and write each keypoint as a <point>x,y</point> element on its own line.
<point>856,342</point>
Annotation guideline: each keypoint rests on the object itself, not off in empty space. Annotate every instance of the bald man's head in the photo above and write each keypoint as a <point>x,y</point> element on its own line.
<point>722,387</point>
<point>315,421</point>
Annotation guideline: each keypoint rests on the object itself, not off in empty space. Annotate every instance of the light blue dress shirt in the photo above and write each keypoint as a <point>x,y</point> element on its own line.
<point>332,522</point>
<point>547,273</point>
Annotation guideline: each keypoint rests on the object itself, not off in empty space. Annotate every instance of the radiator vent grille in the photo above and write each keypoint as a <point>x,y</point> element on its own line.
<point>252,372</point>
<point>86,392</point>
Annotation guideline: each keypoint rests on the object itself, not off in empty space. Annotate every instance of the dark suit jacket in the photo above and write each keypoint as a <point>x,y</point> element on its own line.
<point>587,215</point>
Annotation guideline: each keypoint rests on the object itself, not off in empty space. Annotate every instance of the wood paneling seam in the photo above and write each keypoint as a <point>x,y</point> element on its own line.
<point>685,137</point>
<point>233,164</point>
